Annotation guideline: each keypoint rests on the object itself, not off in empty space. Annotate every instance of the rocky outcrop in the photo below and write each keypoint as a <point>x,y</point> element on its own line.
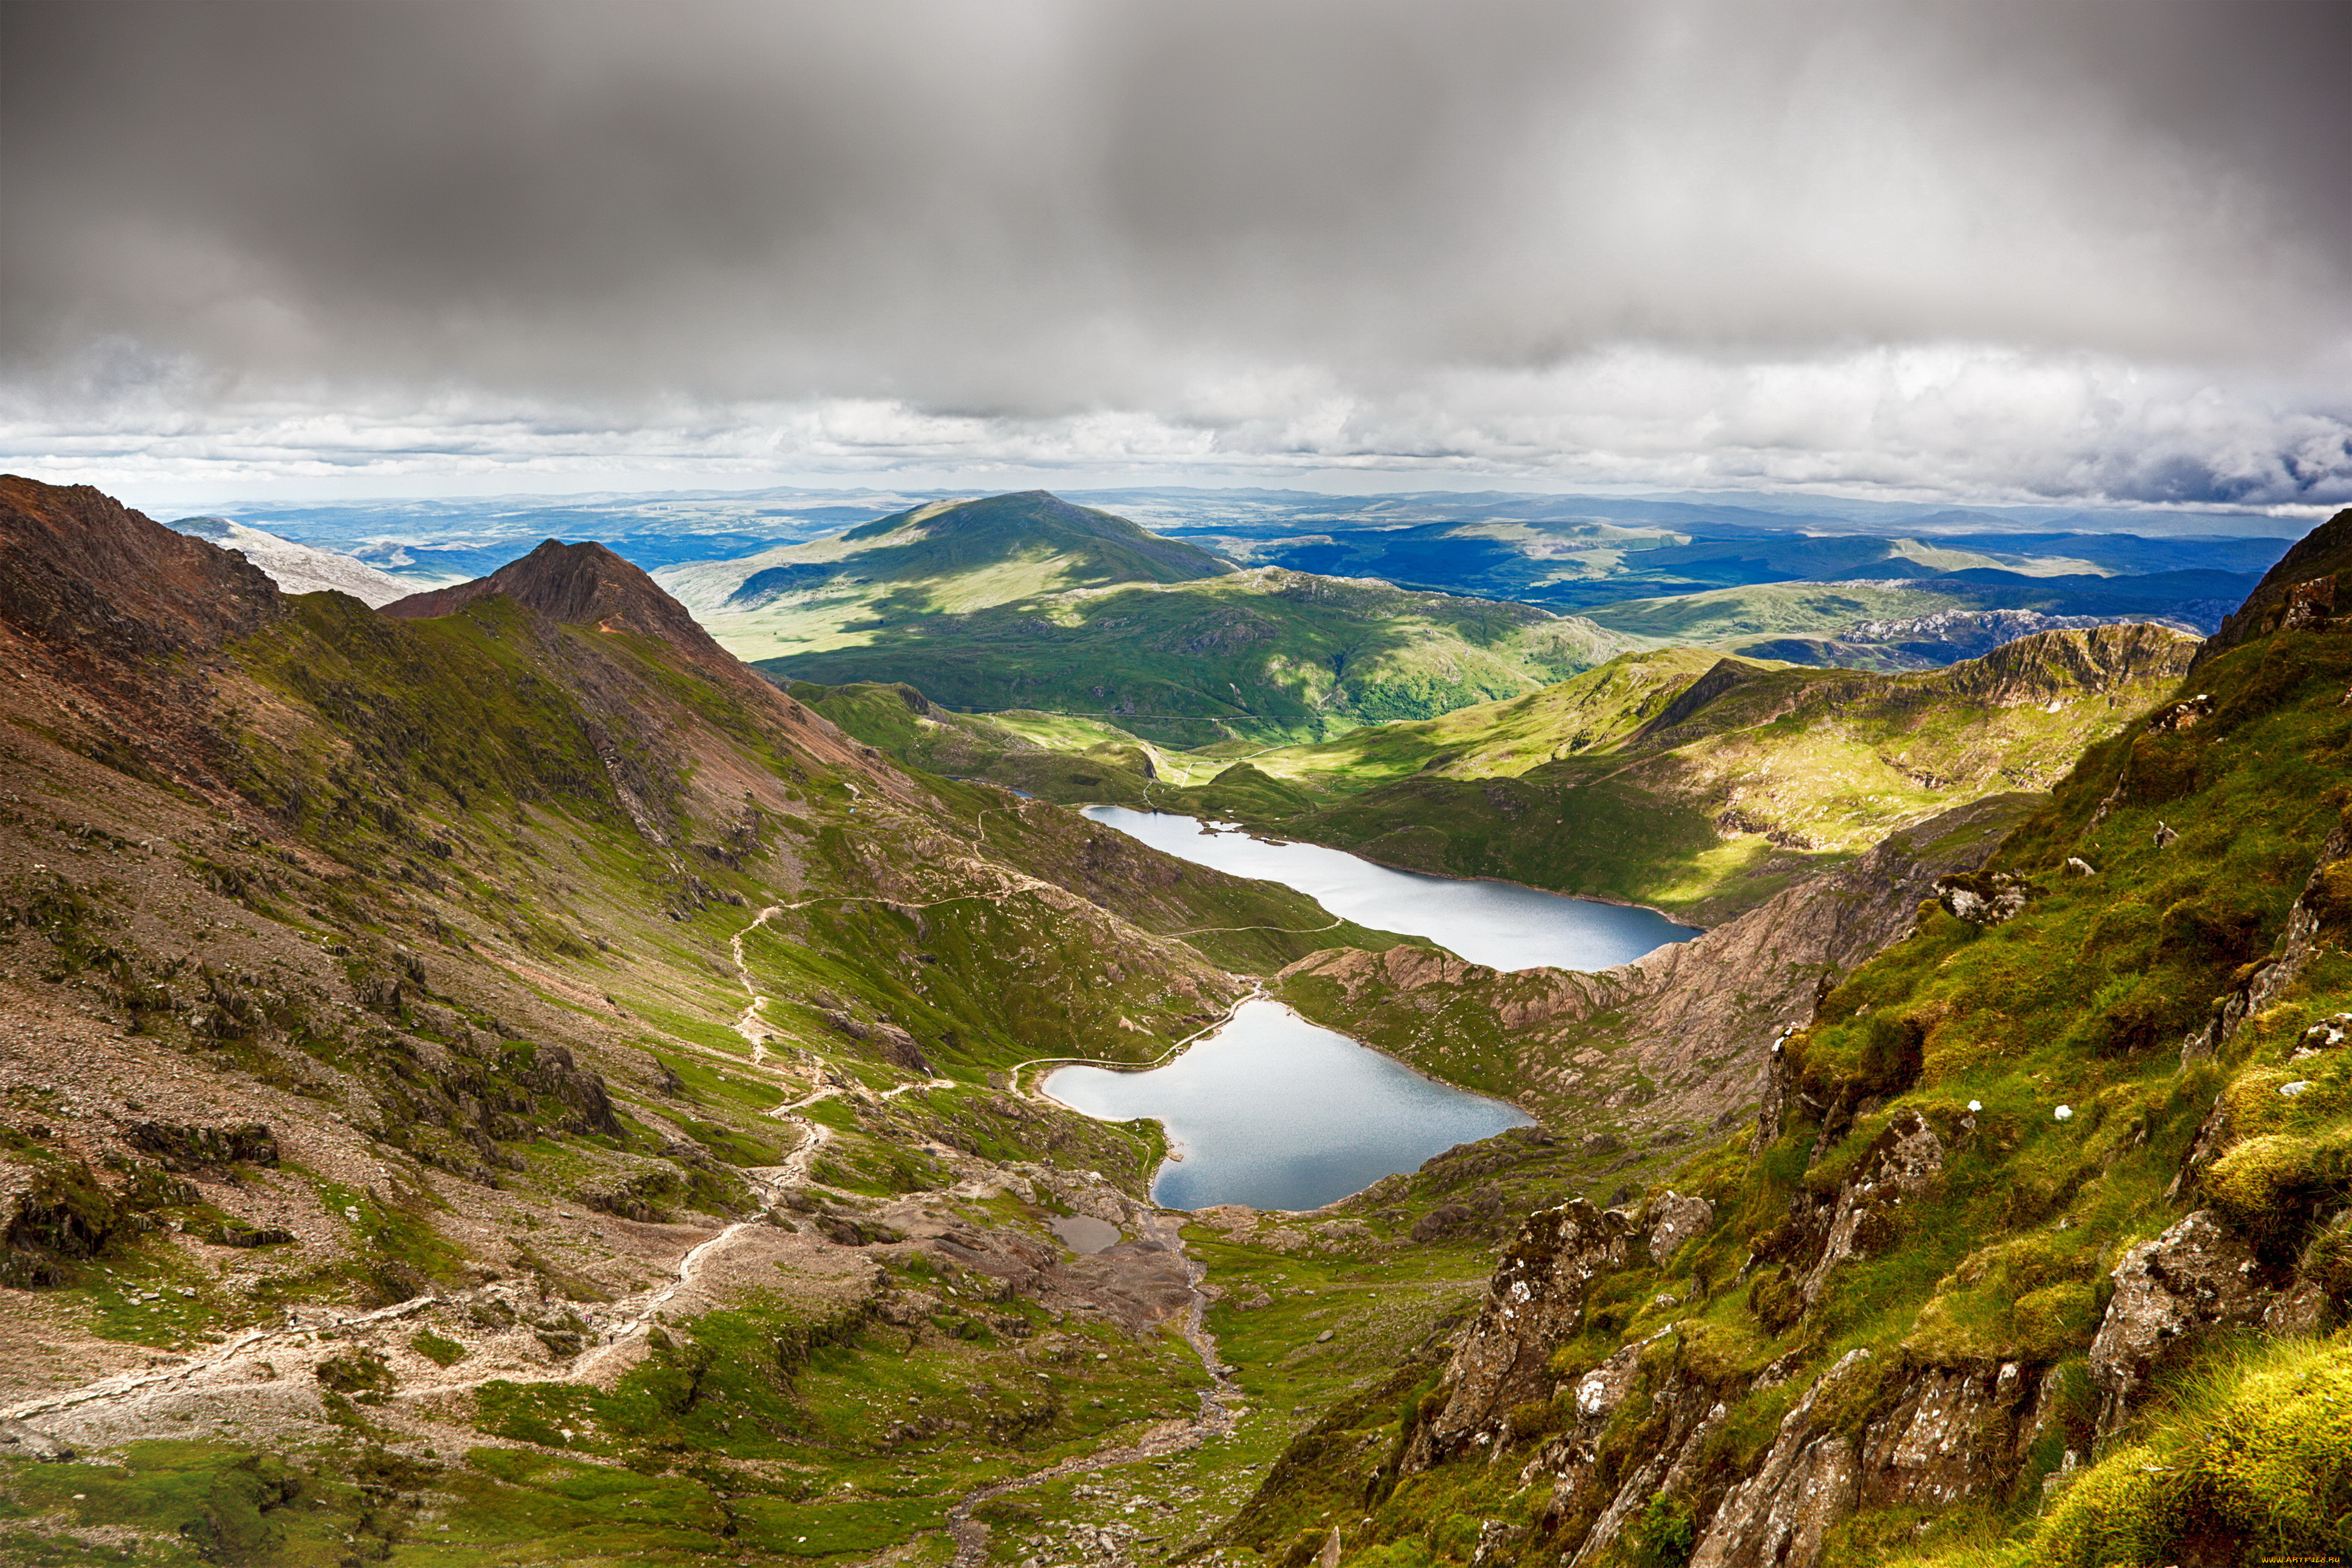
<point>1862,1215</point>
<point>196,1148</point>
<point>2325,906</point>
<point>1899,1166</point>
<point>1674,1219</point>
<point>1781,1516</point>
<point>2196,1276</point>
<point>60,1215</point>
<point>1983,901</point>
<point>1954,1432</point>
<point>21,1441</point>
<point>1533,1304</point>
<point>1691,1023</point>
<point>2323,556</point>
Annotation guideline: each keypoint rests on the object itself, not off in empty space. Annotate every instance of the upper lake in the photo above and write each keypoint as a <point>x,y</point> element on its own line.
<point>1500,924</point>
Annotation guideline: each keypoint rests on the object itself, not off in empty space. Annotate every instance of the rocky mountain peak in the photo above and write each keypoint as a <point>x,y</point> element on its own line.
<point>80,568</point>
<point>2311,583</point>
<point>578,584</point>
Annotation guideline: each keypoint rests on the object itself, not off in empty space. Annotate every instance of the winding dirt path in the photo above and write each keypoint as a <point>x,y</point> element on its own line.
<point>638,1313</point>
<point>1215,1418</point>
<point>240,1349</point>
<point>690,1268</point>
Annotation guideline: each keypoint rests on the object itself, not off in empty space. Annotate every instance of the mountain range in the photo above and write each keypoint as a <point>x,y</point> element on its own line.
<point>497,1079</point>
<point>1027,601</point>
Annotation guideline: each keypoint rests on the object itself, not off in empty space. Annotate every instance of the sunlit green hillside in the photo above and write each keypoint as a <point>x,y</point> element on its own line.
<point>2035,1252</point>
<point>1264,655</point>
<point>1677,778</point>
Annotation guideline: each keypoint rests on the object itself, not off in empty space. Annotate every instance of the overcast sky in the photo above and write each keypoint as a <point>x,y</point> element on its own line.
<point>1978,250</point>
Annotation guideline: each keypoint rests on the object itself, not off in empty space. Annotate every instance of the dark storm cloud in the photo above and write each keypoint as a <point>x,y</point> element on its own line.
<point>1233,217</point>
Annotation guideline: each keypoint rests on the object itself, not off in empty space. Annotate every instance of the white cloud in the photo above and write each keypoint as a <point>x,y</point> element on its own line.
<point>1965,422</point>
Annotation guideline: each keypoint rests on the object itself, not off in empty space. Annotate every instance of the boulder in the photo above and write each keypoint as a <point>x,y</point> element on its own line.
<point>1533,1303</point>
<point>20,1441</point>
<point>1900,1164</point>
<point>1983,899</point>
<point>1953,1434</point>
<point>2195,1277</point>
<point>1675,1218</point>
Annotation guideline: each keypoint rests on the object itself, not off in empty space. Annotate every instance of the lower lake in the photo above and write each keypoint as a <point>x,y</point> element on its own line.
<point>1275,1112</point>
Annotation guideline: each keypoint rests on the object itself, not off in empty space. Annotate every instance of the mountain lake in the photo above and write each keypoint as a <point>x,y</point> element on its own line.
<point>1500,924</point>
<point>1278,1113</point>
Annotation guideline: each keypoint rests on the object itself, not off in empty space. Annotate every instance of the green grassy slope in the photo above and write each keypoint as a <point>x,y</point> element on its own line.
<point>450,911</point>
<point>1265,656</point>
<point>2146,1037</point>
<point>1050,756</point>
<point>1699,784</point>
<point>1768,609</point>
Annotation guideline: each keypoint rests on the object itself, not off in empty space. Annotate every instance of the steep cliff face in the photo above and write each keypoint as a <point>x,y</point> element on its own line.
<point>82,572</point>
<point>2311,585</point>
<point>1674,1043</point>
<point>2040,1246</point>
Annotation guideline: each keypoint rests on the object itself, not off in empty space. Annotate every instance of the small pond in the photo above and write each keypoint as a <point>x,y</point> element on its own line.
<point>1276,1113</point>
<point>1501,924</point>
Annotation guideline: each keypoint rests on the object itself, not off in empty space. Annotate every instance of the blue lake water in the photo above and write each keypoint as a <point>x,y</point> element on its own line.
<point>1498,924</point>
<point>1272,1111</point>
<point>1276,1113</point>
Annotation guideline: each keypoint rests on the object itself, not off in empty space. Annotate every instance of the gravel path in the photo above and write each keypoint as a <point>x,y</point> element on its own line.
<point>1215,1418</point>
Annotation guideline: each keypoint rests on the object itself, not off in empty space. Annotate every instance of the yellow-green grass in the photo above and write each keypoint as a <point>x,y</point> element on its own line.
<point>2082,1001</point>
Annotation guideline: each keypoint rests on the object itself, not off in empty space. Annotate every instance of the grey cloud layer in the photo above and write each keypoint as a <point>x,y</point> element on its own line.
<point>1238,219</point>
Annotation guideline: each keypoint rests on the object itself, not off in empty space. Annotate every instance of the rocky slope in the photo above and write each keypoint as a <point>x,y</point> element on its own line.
<point>296,568</point>
<point>1649,1055</point>
<point>522,1031</point>
<point>2034,1250</point>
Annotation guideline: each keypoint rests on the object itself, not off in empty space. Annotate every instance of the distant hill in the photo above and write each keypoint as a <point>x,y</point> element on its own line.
<point>1577,553</point>
<point>1249,658</point>
<point>950,555</point>
<point>296,568</point>
<point>1920,622</point>
<point>1027,601</point>
<point>1697,782</point>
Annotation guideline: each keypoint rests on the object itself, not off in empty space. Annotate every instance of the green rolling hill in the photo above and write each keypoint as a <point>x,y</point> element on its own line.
<point>1705,784</point>
<point>947,555</point>
<point>2028,1246</point>
<point>1681,778</point>
<point>1025,602</point>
